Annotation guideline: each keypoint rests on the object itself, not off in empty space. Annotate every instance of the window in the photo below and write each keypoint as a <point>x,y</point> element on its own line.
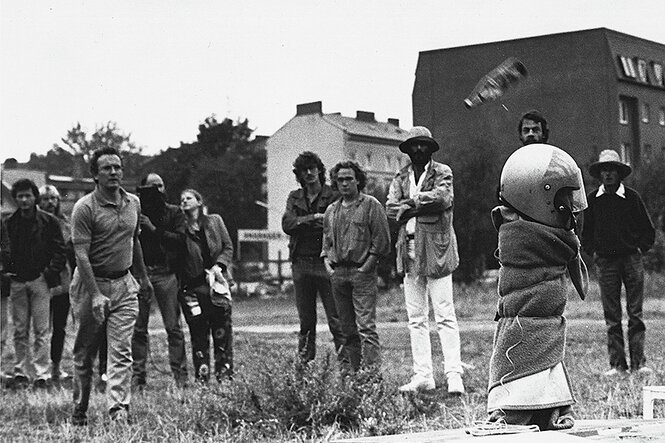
<point>625,153</point>
<point>657,73</point>
<point>642,70</point>
<point>623,112</point>
<point>645,112</point>
<point>369,160</point>
<point>661,116</point>
<point>628,67</point>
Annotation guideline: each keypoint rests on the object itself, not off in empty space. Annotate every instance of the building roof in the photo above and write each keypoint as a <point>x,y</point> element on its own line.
<point>362,128</point>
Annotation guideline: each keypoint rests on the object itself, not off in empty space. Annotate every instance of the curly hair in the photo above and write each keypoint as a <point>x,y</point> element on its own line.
<point>361,175</point>
<point>306,160</point>
<point>25,184</point>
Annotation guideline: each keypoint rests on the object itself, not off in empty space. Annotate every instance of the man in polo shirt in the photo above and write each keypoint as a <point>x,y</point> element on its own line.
<point>355,237</point>
<point>618,230</point>
<point>105,234</point>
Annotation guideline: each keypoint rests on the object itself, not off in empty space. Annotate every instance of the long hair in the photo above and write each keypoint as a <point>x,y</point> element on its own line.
<point>305,160</point>
<point>361,175</point>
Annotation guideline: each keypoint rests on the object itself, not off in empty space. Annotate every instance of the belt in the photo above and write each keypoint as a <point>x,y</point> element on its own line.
<point>111,275</point>
<point>347,264</point>
<point>410,236</point>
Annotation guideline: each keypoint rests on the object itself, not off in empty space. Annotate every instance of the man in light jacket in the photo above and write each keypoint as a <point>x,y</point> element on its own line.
<point>421,201</point>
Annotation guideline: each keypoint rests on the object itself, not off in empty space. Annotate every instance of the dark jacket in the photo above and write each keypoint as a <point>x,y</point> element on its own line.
<point>218,242</point>
<point>165,246</point>
<point>46,246</point>
<point>298,221</point>
<point>616,226</point>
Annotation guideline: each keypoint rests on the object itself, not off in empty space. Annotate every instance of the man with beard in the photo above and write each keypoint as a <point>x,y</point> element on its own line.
<point>420,199</point>
<point>162,240</point>
<point>532,128</point>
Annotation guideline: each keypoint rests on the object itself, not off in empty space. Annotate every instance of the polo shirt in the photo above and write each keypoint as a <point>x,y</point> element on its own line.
<point>108,228</point>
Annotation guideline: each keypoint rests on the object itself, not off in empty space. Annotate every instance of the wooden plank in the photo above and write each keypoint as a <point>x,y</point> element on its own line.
<point>635,430</point>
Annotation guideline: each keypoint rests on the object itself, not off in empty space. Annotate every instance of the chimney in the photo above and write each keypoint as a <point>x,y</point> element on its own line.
<point>394,121</point>
<point>365,116</point>
<point>309,108</point>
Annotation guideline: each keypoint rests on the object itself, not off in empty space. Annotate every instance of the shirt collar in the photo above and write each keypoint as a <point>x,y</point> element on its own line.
<point>621,191</point>
<point>104,201</point>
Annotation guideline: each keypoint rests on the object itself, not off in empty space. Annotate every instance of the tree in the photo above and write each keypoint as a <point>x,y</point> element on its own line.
<point>224,166</point>
<point>72,153</point>
<point>476,171</point>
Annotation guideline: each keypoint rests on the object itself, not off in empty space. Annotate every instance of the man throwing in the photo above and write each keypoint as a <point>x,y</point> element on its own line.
<point>105,234</point>
<point>420,199</point>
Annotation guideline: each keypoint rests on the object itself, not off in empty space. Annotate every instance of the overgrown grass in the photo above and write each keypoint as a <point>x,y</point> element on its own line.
<point>275,398</point>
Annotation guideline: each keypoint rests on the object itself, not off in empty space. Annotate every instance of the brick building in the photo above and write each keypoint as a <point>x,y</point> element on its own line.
<point>598,89</point>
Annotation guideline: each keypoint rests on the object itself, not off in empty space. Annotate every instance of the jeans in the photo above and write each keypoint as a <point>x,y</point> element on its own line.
<point>355,296</point>
<point>310,278</point>
<point>59,313</point>
<point>204,319</point>
<point>417,291</point>
<point>612,272</point>
<point>119,326</point>
<point>166,294</point>
<point>30,301</point>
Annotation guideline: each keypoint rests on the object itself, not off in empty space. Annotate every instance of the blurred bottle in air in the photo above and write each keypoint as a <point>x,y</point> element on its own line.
<point>494,84</point>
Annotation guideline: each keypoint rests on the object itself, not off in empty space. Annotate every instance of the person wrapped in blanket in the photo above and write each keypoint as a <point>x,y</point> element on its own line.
<point>540,194</point>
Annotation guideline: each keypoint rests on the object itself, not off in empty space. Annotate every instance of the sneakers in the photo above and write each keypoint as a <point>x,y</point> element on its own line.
<point>644,370</point>
<point>455,384</point>
<point>418,383</point>
<point>614,372</point>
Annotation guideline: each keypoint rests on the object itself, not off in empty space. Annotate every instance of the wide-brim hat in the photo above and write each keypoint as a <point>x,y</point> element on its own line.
<point>419,134</point>
<point>610,157</point>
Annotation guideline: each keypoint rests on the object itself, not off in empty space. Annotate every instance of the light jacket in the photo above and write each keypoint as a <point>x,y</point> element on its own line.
<point>435,241</point>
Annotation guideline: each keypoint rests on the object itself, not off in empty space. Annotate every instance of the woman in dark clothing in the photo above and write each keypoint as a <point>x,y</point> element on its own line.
<point>205,293</point>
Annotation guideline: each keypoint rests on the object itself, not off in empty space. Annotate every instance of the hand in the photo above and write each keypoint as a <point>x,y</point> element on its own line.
<point>329,269</point>
<point>401,210</point>
<point>147,224</point>
<point>100,307</point>
<point>147,290</point>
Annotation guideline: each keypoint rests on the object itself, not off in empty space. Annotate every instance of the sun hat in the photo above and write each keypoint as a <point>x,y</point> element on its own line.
<point>419,134</point>
<point>610,157</point>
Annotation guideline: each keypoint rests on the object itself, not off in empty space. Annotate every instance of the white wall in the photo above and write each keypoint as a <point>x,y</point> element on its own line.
<point>301,133</point>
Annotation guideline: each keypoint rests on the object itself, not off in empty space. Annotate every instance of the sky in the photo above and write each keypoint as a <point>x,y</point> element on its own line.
<point>158,68</point>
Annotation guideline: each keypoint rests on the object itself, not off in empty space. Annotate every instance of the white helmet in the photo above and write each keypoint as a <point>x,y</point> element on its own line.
<point>544,184</point>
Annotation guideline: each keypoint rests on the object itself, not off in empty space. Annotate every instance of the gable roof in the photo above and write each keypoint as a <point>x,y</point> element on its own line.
<point>372,129</point>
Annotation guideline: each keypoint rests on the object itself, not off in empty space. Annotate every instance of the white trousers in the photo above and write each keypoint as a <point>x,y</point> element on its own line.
<point>417,291</point>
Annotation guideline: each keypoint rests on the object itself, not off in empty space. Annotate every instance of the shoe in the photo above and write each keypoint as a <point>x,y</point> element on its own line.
<point>455,384</point>
<point>613,372</point>
<point>41,383</point>
<point>418,383</point>
<point>119,414</point>
<point>644,370</point>
<point>79,419</point>
<point>21,381</point>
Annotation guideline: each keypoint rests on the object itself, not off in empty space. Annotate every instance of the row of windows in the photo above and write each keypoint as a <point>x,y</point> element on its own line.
<point>638,69</point>
<point>626,152</point>
<point>645,113</point>
<point>376,162</point>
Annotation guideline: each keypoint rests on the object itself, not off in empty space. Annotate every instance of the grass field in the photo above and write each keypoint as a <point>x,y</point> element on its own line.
<point>273,398</point>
